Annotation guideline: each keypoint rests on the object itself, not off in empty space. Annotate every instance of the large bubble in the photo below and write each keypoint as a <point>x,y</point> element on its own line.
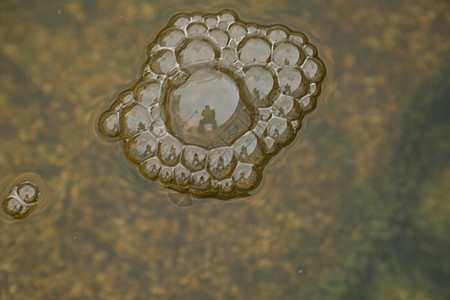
<point>218,97</point>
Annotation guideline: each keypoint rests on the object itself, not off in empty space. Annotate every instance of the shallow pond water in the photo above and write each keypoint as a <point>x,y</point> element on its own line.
<point>354,208</point>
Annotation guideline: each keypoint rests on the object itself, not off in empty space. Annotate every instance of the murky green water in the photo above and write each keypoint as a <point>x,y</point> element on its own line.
<point>355,208</point>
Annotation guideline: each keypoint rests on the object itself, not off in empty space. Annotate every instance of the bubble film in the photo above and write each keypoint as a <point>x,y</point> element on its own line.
<point>21,199</point>
<point>217,99</point>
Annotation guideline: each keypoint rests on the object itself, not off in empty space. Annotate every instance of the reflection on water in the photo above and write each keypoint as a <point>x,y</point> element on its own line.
<point>358,202</point>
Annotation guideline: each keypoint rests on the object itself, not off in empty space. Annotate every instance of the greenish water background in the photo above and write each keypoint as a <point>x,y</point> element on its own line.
<point>358,204</point>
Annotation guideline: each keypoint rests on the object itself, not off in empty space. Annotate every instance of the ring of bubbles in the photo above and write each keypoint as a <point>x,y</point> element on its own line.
<point>217,99</point>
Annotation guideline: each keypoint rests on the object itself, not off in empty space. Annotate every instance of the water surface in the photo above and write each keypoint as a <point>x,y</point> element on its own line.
<point>354,208</point>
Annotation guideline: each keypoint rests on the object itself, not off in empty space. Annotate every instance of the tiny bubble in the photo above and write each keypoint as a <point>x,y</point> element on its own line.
<point>300,271</point>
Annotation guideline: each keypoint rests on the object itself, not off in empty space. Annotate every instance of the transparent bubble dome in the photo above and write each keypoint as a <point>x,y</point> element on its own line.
<point>217,99</point>
<point>205,107</point>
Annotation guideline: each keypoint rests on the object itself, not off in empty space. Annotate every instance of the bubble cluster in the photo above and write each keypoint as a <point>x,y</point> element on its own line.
<point>217,98</point>
<point>21,199</point>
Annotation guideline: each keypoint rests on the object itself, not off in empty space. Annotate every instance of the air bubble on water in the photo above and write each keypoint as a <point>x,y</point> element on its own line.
<point>166,174</point>
<point>141,147</point>
<point>245,176</point>
<point>163,61</point>
<point>200,180</point>
<point>181,21</point>
<point>170,150</point>
<point>255,50</point>
<point>220,37</point>
<point>134,119</point>
<point>248,149</point>
<point>211,21</point>
<point>261,83</point>
<point>195,51</point>
<point>194,158</point>
<point>182,175</point>
<point>286,107</point>
<point>313,69</point>
<point>109,124</point>
<point>221,162</point>
<point>280,130</point>
<point>172,37</point>
<point>196,29</point>
<point>150,168</point>
<point>12,206</point>
<point>286,54</point>
<point>277,34</point>
<point>28,192</point>
<point>226,186</point>
<point>237,31</point>
<point>227,16</point>
<point>147,93</point>
<point>291,81</point>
